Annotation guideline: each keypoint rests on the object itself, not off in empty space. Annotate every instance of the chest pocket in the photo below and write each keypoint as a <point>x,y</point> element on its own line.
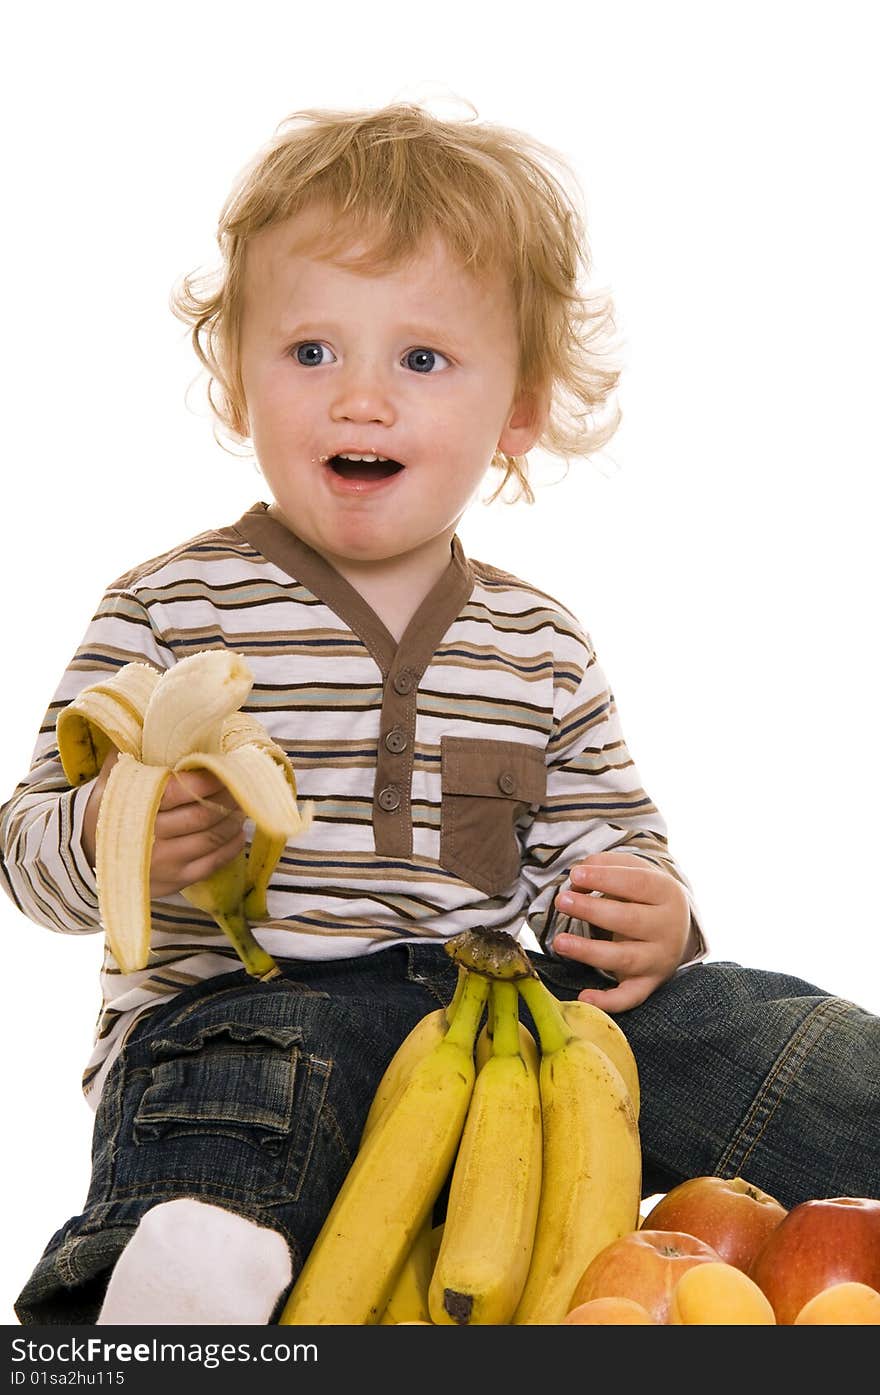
<point>487,788</point>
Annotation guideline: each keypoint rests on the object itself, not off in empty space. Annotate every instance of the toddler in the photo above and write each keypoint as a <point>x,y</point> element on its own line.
<point>403,306</point>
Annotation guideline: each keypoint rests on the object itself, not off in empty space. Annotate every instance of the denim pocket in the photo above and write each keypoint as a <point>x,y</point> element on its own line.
<point>229,1079</point>
<point>231,1106</point>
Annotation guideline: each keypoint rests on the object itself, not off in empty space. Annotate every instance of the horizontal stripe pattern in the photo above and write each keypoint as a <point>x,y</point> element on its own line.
<point>512,666</point>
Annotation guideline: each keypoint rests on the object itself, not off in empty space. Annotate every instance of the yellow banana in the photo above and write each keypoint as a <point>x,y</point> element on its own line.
<point>162,724</point>
<point>105,715</point>
<point>592,1162</point>
<point>436,1237</point>
<point>262,859</point>
<point>489,1228</point>
<point>592,1024</point>
<point>425,1035</point>
<point>222,895</point>
<point>408,1301</point>
<point>409,1297</point>
<point>241,729</point>
<point>393,1183</point>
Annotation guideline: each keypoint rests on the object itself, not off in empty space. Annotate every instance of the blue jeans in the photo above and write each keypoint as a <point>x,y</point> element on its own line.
<point>253,1095</point>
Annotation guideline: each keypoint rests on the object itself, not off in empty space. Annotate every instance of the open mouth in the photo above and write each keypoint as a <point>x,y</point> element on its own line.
<point>367,469</point>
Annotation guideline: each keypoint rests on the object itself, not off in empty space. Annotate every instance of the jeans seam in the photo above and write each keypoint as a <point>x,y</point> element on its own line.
<point>318,1072</point>
<point>111,1102</point>
<point>430,981</point>
<point>773,1089</point>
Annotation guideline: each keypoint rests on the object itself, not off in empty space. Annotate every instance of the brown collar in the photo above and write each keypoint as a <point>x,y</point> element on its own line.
<point>302,563</point>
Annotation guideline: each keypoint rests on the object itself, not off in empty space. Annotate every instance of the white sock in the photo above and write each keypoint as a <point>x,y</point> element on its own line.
<point>189,1262</point>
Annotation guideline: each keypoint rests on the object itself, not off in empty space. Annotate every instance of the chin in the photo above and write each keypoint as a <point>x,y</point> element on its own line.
<point>364,550</point>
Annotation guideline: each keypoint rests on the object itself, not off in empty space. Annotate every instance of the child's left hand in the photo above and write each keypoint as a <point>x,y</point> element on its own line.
<point>648,912</point>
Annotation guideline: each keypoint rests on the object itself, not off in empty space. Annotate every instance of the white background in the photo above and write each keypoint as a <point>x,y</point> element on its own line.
<point>722,549</point>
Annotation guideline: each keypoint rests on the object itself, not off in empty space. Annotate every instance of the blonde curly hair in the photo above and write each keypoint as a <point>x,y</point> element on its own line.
<point>488,191</point>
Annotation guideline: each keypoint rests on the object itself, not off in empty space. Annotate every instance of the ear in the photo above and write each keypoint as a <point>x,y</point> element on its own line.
<point>526,422</point>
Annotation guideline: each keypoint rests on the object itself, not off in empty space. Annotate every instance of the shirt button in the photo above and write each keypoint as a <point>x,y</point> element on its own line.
<point>389,799</point>
<point>395,741</point>
<point>403,682</point>
<point>506,782</point>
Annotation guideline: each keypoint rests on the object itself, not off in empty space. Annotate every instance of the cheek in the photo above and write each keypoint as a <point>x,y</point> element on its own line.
<point>462,479</point>
<point>276,412</point>
<point>467,422</point>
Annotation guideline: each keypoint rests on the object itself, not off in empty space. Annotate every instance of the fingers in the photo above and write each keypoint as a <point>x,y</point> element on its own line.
<point>178,862</point>
<point>639,966</point>
<point>199,828</point>
<point>622,958</point>
<point>620,999</point>
<point>631,918</point>
<point>194,807</point>
<point>193,786</point>
<point>634,880</point>
<point>634,899</point>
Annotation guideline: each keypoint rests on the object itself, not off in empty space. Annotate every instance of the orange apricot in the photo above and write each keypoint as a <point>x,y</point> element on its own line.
<point>839,1304</point>
<point>609,1312</point>
<point>718,1294</point>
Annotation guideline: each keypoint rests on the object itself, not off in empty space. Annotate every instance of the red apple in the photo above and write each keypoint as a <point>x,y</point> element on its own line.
<point>729,1213</point>
<point>820,1243</point>
<point>644,1265</point>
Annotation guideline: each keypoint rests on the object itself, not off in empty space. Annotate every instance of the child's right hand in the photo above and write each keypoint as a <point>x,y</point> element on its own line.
<point>199,828</point>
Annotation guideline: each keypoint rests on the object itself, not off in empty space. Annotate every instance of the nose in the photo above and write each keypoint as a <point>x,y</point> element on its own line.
<point>362,394</point>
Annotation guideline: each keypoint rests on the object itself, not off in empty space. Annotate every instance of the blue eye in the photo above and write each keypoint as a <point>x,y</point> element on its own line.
<point>423,360</point>
<point>305,353</point>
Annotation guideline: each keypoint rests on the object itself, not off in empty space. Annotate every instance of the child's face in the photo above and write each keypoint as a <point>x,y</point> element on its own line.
<point>417,365</point>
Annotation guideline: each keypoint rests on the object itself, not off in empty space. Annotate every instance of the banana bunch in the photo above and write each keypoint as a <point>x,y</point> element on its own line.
<point>389,1192</point>
<point>162,724</point>
<point>539,1144</point>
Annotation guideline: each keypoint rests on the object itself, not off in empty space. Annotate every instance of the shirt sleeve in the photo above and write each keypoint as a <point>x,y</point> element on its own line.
<point>595,801</point>
<point>43,868</point>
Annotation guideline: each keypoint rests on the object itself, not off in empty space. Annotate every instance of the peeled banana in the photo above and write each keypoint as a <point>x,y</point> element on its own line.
<point>393,1183</point>
<point>492,1209</point>
<point>185,718</point>
<point>592,1164</point>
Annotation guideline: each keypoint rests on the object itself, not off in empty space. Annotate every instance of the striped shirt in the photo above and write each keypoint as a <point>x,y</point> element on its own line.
<point>456,776</point>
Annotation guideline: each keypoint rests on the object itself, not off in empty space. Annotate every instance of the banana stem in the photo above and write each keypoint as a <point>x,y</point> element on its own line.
<point>553,1030</point>
<point>504,1018</point>
<point>456,997</point>
<point>258,962</point>
<point>490,1016</point>
<point>469,1012</point>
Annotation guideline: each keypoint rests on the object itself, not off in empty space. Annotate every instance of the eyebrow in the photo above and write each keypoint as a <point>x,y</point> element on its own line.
<point>411,330</point>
